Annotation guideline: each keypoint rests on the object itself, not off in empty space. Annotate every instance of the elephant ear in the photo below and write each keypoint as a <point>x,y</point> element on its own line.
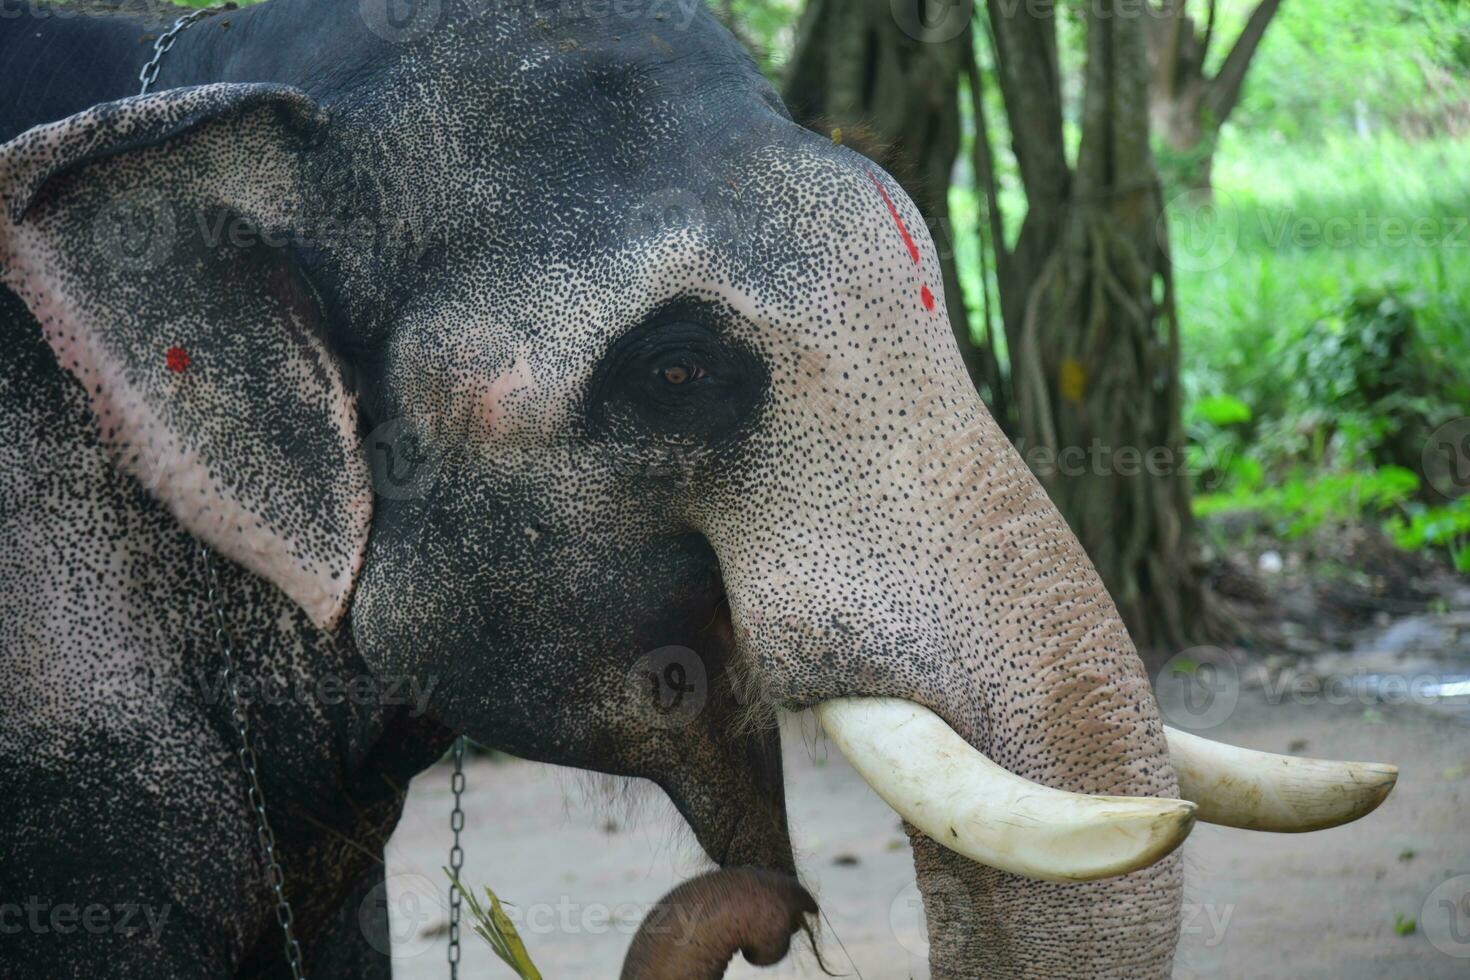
<point>146,236</point>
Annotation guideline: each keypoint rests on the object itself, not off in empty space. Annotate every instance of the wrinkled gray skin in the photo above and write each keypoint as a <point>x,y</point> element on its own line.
<point>668,368</point>
<point>695,930</point>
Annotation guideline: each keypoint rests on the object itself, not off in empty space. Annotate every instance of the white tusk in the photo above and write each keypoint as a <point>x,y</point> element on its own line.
<point>1282,793</point>
<point>942,785</point>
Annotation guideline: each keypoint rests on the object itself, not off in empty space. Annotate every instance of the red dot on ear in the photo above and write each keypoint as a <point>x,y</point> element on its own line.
<point>176,359</point>
<point>928,296</point>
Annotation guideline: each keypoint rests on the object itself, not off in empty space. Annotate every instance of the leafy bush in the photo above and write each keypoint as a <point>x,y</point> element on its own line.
<point>1343,347</point>
<point>1363,372</point>
<point>1315,366</point>
<point>1446,528</point>
<point>1304,502</point>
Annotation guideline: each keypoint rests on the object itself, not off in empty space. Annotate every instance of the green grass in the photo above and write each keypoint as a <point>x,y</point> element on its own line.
<point>1318,252</point>
<point>1296,287</point>
<point>1313,224</point>
<point>496,928</point>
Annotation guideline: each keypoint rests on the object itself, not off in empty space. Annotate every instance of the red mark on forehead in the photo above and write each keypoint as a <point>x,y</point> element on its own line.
<point>926,294</point>
<point>903,229</point>
<point>176,359</point>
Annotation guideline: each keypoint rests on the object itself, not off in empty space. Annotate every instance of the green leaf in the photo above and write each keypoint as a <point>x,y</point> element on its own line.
<point>1222,410</point>
<point>1461,558</point>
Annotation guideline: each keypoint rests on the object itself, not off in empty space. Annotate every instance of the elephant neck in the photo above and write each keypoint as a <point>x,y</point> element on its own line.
<point>58,60</point>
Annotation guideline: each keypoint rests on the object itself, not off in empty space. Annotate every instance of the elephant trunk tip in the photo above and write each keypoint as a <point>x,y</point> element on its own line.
<point>695,930</point>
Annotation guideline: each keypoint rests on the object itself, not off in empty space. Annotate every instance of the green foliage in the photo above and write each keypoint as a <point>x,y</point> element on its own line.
<point>1329,66</point>
<point>1363,364</point>
<point>1304,501</point>
<point>1448,528</point>
<point>1333,299</point>
<point>765,27</point>
<point>1354,355</point>
<point>1220,411</point>
<point>1336,308</point>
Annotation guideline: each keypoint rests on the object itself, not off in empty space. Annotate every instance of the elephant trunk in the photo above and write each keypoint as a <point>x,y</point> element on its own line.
<point>1057,696</point>
<point>698,927</point>
<point>957,644</point>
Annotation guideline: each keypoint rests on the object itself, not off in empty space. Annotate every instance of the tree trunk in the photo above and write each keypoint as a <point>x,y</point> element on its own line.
<point>1186,105</point>
<point>1088,305</point>
<point>886,82</point>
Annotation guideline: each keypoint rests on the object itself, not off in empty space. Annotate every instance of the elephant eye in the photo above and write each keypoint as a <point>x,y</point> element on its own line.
<point>678,374</point>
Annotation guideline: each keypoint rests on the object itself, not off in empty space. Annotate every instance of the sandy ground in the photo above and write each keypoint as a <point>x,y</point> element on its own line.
<point>1317,906</point>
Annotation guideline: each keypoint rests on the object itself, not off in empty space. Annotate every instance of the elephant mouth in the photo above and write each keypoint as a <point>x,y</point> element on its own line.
<point>949,790</point>
<point>952,792</point>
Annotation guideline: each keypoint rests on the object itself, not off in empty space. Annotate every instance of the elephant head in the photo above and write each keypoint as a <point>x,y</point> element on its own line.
<point>555,364</point>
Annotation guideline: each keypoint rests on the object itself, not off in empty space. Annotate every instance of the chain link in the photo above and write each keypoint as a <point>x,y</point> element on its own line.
<point>161,47</point>
<point>275,877</point>
<point>265,837</point>
<point>456,856</point>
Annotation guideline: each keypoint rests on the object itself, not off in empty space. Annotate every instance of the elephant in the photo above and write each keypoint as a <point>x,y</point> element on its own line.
<point>528,358</point>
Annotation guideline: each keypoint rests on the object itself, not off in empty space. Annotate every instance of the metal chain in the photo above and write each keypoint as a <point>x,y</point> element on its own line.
<point>161,47</point>
<point>456,856</point>
<point>265,837</point>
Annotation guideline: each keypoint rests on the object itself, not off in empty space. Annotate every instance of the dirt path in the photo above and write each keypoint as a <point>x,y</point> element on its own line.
<point>1318,906</point>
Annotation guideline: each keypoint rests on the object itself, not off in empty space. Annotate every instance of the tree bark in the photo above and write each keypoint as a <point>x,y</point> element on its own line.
<point>1088,304</point>
<point>1187,105</point>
